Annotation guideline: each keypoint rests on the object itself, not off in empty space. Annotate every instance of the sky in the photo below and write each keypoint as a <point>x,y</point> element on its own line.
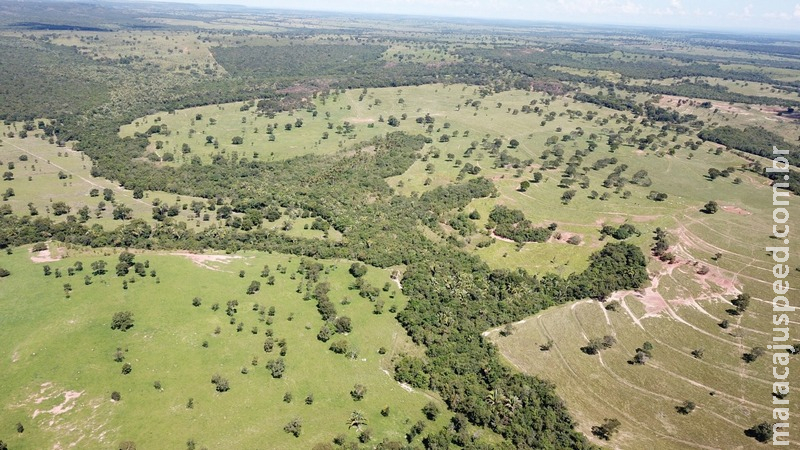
<point>741,15</point>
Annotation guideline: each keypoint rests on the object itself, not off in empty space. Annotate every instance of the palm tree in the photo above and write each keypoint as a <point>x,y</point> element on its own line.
<point>357,420</point>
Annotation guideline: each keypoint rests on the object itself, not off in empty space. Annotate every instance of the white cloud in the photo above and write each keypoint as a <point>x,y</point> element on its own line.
<point>676,6</point>
<point>746,12</point>
<point>603,7</point>
<point>797,10</point>
<point>700,13</point>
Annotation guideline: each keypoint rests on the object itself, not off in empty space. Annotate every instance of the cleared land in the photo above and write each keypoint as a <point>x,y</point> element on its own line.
<point>59,351</point>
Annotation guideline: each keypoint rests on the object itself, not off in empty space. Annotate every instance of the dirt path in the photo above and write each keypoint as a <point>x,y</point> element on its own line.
<point>603,400</point>
<point>729,398</point>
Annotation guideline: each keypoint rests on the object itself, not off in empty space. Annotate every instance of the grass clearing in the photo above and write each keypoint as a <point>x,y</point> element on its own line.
<point>43,330</point>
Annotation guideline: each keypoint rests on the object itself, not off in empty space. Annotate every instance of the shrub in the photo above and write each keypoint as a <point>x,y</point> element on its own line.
<point>122,320</point>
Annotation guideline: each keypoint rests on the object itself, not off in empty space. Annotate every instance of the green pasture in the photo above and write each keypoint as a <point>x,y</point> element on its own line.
<point>54,174</point>
<point>54,345</point>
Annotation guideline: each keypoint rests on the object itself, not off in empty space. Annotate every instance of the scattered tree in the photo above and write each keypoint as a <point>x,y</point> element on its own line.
<point>122,320</point>
<point>686,407</point>
<point>358,392</point>
<point>607,429</point>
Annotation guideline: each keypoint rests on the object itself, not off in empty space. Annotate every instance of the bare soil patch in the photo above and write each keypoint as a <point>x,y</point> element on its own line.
<point>45,256</point>
<point>205,260</point>
<point>735,210</point>
<point>360,120</point>
<point>564,236</point>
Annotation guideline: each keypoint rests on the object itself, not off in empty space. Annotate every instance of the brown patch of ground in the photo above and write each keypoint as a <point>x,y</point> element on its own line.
<point>360,120</point>
<point>501,238</point>
<point>45,256</point>
<point>564,236</point>
<point>205,260</point>
<point>735,210</point>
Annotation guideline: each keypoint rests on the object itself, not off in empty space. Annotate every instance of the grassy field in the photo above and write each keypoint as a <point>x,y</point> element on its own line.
<point>59,370</point>
<point>679,313</point>
<point>54,174</point>
<point>472,120</point>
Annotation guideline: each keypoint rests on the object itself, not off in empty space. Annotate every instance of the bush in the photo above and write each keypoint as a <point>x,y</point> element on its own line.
<point>122,320</point>
<point>431,411</point>
<point>339,346</point>
<point>607,429</point>
<point>294,427</point>
<point>358,392</point>
<point>686,407</point>
<point>761,432</point>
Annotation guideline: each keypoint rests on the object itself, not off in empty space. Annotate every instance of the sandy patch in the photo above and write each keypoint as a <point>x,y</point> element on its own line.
<point>735,210</point>
<point>360,120</point>
<point>501,238</point>
<point>205,261</point>
<point>692,103</point>
<point>45,256</point>
<point>63,407</point>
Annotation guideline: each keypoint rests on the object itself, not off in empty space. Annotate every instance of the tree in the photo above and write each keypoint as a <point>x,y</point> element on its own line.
<point>513,143</point>
<point>294,427</point>
<point>430,410</point>
<point>357,420</point>
<point>221,383</point>
<point>254,287</point>
<point>741,302</point>
<point>711,207</point>
<point>122,320</point>
<point>524,185</point>
<point>98,267</point>
<point>324,333</point>
<point>567,196</point>
<point>343,324</point>
<point>596,344</point>
<point>276,367</point>
<point>116,396</point>
<point>122,269</point>
<point>607,429</point>
<point>122,212</point>
<point>686,407</point>
<point>8,175</point>
<point>237,140</point>
<point>60,208</point>
<point>761,432</point>
<point>358,270</point>
<point>753,354</point>
<point>358,392</point>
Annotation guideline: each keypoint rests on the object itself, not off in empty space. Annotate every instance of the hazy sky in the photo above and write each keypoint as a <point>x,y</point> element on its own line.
<point>763,15</point>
